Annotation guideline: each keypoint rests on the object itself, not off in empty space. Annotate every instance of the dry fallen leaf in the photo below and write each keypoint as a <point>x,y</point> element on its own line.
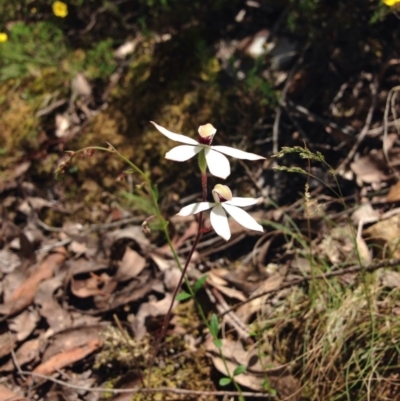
<point>27,352</point>
<point>279,376</point>
<point>7,343</point>
<point>88,287</point>
<point>391,279</point>
<point>66,358</point>
<point>24,294</point>
<point>247,310</point>
<point>56,316</point>
<point>394,193</point>
<point>386,236</point>
<point>150,309</point>
<point>24,323</point>
<point>370,168</point>
<point>222,286</point>
<point>131,265</point>
<point>8,395</point>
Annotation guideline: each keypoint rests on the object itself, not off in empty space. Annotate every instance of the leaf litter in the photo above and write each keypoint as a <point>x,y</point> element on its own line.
<point>84,304</point>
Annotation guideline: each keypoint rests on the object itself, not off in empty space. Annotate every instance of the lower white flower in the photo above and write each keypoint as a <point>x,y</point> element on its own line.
<point>224,202</point>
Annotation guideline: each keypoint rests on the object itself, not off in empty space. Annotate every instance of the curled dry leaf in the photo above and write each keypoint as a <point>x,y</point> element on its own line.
<point>131,265</point>
<point>150,309</point>
<point>89,287</point>
<point>371,168</point>
<point>385,236</point>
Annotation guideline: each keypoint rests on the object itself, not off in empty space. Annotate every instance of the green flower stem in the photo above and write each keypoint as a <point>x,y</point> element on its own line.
<point>202,164</point>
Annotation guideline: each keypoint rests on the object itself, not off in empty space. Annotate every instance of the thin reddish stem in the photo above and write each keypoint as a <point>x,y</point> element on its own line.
<point>194,246</point>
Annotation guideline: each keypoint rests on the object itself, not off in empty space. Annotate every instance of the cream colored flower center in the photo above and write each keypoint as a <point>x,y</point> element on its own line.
<point>221,193</point>
<point>206,133</point>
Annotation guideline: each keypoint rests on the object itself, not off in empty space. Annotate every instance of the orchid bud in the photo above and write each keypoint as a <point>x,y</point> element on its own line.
<point>221,193</point>
<point>206,134</point>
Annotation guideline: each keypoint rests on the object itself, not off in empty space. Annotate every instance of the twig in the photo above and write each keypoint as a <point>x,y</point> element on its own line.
<point>302,280</point>
<point>144,390</point>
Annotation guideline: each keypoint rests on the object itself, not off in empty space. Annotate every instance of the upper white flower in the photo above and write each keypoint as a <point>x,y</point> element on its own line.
<point>224,202</point>
<point>216,161</point>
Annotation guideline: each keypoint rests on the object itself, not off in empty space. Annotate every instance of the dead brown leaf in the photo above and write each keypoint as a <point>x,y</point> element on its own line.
<point>7,343</point>
<point>131,265</point>
<point>279,376</point>
<point>57,317</point>
<point>12,176</point>
<point>132,291</point>
<point>391,279</point>
<point>24,323</point>
<point>394,193</point>
<point>27,352</point>
<point>66,358</point>
<point>247,310</point>
<point>24,294</point>
<point>8,395</point>
<point>386,234</point>
<point>371,168</point>
<point>89,287</point>
<point>150,309</point>
<point>222,285</point>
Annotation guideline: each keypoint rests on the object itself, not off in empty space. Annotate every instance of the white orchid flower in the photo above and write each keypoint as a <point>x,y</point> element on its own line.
<point>224,202</point>
<point>217,163</point>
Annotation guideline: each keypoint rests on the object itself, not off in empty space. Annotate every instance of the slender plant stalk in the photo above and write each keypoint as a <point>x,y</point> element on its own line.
<point>200,231</point>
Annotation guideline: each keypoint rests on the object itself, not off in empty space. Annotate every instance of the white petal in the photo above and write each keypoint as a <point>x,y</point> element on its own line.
<point>175,137</point>
<point>217,163</point>
<point>219,222</point>
<point>241,202</point>
<point>195,208</point>
<point>239,154</point>
<point>242,217</point>
<point>182,152</point>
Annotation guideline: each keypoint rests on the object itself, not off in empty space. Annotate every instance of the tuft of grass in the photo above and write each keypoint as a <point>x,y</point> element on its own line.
<point>339,334</point>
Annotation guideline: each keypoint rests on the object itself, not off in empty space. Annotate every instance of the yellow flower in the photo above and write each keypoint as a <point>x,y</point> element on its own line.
<point>3,37</point>
<point>60,9</point>
<point>391,3</point>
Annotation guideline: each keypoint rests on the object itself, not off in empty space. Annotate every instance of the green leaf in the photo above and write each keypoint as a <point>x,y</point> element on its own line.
<point>214,326</point>
<point>182,296</point>
<point>155,192</point>
<point>224,381</point>
<point>199,283</point>
<point>218,343</point>
<point>239,370</point>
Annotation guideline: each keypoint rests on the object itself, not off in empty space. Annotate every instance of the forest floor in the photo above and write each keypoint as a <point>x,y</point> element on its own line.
<point>307,310</point>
